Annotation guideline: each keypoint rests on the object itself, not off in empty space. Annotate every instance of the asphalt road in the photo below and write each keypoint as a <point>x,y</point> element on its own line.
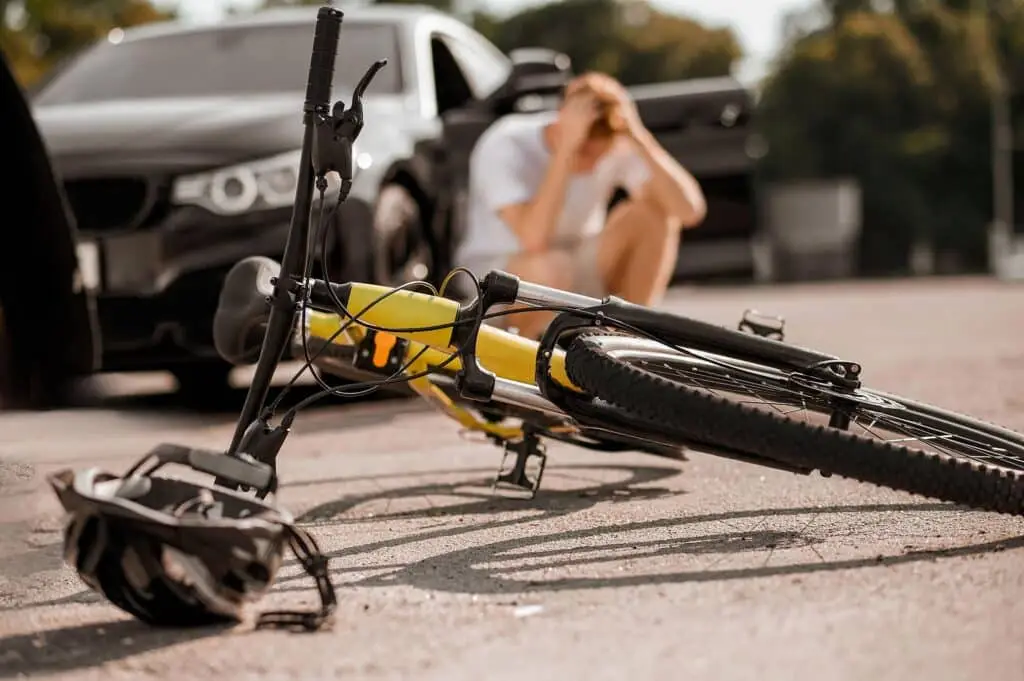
<point>623,565</point>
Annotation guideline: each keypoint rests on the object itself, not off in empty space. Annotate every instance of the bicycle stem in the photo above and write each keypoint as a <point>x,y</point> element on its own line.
<point>296,250</point>
<point>326,147</point>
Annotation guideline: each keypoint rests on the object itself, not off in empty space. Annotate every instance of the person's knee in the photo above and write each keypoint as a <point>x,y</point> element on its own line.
<point>647,219</point>
<point>657,221</point>
<point>553,268</point>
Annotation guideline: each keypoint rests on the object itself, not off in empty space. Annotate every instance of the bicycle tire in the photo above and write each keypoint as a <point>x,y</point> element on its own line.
<point>683,413</point>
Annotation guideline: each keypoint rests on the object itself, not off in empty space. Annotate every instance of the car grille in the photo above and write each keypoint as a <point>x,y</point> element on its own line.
<point>113,204</point>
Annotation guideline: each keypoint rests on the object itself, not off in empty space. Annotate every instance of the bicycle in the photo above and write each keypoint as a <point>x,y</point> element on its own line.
<point>606,375</point>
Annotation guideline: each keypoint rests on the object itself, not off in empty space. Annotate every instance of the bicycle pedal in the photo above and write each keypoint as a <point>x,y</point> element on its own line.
<point>516,482</point>
<point>765,326</point>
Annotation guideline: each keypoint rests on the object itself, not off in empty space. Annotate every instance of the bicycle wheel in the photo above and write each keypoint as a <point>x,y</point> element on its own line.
<point>733,405</point>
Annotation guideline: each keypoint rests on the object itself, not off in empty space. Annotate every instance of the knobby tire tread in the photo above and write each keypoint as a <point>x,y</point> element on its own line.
<point>676,411</point>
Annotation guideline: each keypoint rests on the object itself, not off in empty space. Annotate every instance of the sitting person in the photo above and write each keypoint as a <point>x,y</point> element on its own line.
<point>539,189</point>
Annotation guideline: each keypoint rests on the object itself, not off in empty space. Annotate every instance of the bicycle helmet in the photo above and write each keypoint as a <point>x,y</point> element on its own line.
<point>175,553</point>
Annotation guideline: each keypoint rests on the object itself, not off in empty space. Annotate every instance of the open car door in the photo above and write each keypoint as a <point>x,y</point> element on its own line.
<point>48,330</point>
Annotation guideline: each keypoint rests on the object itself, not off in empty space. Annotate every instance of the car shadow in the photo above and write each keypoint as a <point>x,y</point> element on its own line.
<point>88,645</point>
<point>224,402</point>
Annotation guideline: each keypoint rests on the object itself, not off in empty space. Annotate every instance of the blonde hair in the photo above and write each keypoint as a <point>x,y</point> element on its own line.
<point>601,86</point>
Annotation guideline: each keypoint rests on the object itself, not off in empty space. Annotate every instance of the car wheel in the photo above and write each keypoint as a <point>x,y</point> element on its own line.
<point>401,251</point>
<point>29,391</point>
<point>348,249</point>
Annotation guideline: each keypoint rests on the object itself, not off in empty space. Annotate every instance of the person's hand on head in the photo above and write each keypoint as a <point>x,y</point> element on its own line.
<point>576,119</point>
<point>625,105</point>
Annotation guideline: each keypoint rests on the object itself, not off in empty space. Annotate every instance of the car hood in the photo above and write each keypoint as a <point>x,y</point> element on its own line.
<point>176,135</point>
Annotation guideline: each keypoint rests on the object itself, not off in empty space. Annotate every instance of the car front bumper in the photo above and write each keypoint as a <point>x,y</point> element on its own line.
<point>156,289</point>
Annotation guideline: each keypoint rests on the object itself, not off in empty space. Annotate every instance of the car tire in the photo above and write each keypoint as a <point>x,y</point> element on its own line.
<point>349,248</point>
<point>6,366</point>
<point>401,251</point>
<point>20,391</point>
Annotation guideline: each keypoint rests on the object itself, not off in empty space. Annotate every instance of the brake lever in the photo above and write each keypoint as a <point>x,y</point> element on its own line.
<point>349,122</point>
<point>335,134</point>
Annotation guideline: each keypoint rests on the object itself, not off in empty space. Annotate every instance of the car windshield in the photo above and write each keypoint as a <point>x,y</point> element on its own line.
<point>224,61</point>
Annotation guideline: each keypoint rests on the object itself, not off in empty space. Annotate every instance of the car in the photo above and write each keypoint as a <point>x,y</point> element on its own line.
<point>177,149</point>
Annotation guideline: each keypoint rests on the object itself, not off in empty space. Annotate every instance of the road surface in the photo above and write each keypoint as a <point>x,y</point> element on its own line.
<point>623,565</point>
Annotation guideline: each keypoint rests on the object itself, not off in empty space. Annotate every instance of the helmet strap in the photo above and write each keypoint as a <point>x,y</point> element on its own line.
<point>314,562</point>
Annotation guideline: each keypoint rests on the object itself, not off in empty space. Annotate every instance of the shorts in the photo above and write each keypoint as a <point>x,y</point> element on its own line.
<point>586,275</point>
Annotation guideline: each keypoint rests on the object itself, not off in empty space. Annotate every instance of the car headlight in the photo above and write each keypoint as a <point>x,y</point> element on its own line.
<point>247,187</point>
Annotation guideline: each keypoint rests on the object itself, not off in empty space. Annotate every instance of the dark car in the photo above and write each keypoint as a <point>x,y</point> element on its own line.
<point>177,148</point>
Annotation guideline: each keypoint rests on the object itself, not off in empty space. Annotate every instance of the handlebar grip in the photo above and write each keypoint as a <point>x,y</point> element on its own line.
<point>243,309</point>
<point>321,63</point>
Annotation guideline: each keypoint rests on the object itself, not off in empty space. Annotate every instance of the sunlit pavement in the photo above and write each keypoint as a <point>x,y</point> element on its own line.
<point>624,564</point>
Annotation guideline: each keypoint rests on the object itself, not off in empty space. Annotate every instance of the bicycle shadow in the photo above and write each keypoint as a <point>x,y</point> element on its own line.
<point>479,501</point>
<point>527,554</point>
<point>525,564</point>
<point>460,571</point>
<point>87,645</point>
<point>478,498</point>
<point>497,567</point>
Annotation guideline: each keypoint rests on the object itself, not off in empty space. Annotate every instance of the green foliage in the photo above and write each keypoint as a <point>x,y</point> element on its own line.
<point>632,41</point>
<point>628,39</point>
<point>900,101</point>
<point>36,34</point>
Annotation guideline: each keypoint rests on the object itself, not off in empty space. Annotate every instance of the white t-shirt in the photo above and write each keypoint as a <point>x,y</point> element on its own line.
<point>507,166</point>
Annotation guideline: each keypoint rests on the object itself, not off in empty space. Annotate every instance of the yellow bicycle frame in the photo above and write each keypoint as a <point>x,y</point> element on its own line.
<point>407,313</point>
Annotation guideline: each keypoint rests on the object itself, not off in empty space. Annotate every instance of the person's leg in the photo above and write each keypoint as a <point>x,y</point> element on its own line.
<point>637,252</point>
<point>552,268</point>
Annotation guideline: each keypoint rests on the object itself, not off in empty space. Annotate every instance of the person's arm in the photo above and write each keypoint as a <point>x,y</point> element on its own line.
<point>666,182</point>
<point>535,221</point>
<point>669,184</point>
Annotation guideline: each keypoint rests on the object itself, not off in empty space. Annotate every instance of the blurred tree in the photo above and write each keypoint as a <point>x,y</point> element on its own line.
<point>626,38</point>
<point>841,9</point>
<point>899,99</point>
<point>36,34</point>
<point>848,102</point>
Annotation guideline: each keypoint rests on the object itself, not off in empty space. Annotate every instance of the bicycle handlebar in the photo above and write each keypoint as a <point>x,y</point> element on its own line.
<point>321,63</point>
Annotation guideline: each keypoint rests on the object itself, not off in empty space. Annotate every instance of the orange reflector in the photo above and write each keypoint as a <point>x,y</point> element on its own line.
<point>382,344</point>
